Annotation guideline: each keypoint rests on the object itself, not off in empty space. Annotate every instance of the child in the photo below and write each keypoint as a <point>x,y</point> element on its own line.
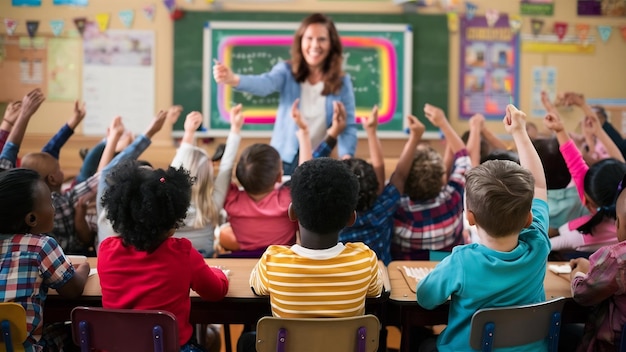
<point>207,196</point>
<point>430,215</point>
<point>324,196</point>
<point>30,261</point>
<point>378,202</point>
<point>513,253</point>
<point>599,282</point>
<point>595,184</point>
<point>145,207</point>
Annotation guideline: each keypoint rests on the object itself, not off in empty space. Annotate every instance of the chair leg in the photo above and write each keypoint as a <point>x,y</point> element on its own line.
<point>6,336</point>
<point>227,341</point>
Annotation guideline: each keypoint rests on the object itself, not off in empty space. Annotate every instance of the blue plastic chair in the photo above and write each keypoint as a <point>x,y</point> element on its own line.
<point>517,325</point>
<point>13,327</point>
<point>124,330</point>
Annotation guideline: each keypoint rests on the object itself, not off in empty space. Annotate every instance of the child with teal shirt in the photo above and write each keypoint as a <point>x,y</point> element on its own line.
<point>512,254</point>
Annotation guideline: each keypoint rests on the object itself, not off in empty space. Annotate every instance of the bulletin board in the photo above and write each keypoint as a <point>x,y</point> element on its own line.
<point>22,67</point>
<point>376,56</point>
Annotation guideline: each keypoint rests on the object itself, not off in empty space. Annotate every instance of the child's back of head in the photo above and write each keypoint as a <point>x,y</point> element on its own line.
<point>200,167</point>
<point>146,205</point>
<point>47,166</point>
<point>499,193</point>
<point>554,166</point>
<point>259,168</point>
<point>368,183</point>
<point>427,174</point>
<point>19,189</point>
<point>323,195</point>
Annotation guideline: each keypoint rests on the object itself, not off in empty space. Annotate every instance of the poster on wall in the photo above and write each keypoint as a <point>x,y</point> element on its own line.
<point>537,7</point>
<point>611,8</point>
<point>26,2</point>
<point>489,67</point>
<point>63,69</point>
<point>71,2</point>
<point>118,78</point>
<point>544,79</point>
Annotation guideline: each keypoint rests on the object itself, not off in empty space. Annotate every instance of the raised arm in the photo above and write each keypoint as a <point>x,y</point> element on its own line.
<point>439,120</point>
<point>30,103</point>
<point>54,145</point>
<point>114,133</point>
<point>476,124</point>
<point>224,175</point>
<point>11,114</point>
<point>403,167</point>
<point>192,122</point>
<point>304,139</point>
<point>552,120</point>
<point>515,124</point>
<point>370,125</point>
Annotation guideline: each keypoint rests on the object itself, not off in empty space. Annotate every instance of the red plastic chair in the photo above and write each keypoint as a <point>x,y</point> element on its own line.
<point>121,330</point>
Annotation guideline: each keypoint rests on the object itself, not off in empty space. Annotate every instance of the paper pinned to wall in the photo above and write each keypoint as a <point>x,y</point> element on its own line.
<point>118,78</point>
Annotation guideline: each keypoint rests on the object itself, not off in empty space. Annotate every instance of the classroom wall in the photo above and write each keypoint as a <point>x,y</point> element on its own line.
<point>599,75</point>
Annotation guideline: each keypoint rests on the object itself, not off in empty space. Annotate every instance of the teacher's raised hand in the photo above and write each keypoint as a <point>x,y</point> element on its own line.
<point>223,74</point>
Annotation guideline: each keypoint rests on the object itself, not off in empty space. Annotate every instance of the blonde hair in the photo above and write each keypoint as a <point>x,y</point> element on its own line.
<point>200,167</point>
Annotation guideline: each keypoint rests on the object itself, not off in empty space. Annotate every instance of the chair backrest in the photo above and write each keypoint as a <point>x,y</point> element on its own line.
<point>318,334</point>
<point>12,326</point>
<point>120,330</point>
<point>517,325</point>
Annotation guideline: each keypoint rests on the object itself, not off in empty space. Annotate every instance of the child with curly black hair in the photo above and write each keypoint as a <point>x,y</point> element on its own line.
<point>30,261</point>
<point>145,207</point>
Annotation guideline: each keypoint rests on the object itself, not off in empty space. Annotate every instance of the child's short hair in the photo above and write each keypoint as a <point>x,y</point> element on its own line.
<point>500,194</point>
<point>554,166</point>
<point>323,195</point>
<point>17,197</point>
<point>501,154</point>
<point>368,183</point>
<point>258,168</point>
<point>426,177</point>
<point>143,204</point>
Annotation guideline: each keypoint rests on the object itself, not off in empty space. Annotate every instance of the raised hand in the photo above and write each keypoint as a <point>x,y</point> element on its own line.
<point>514,120</point>
<point>116,128</point>
<point>553,122</point>
<point>547,104</point>
<point>339,120</point>
<point>435,115</point>
<point>236,118</point>
<point>416,127</point>
<point>296,116</point>
<point>79,114</point>
<point>477,122</point>
<point>223,74</point>
<point>192,121</point>
<point>572,98</point>
<point>173,113</point>
<point>156,124</point>
<point>371,122</point>
<point>31,102</point>
<point>12,112</point>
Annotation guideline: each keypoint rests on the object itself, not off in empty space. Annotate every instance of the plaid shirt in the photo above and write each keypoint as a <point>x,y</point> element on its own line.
<point>435,224</point>
<point>375,225</point>
<point>29,265</point>
<point>64,231</point>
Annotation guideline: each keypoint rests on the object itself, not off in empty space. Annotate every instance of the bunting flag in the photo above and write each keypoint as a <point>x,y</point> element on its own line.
<point>453,22</point>
<point>127,17</point>
<point>536,26</point>
<point>582,32</point>
<point>31,28</point>
<point>170,5</point>
<point>102,19</point>
<point>470,10</point>
<point>57,27</point>
<point>190,1</point>
<point>560,29</point>
<point>11,24</point>
<point>492,16</point>
<point>622,29</point>
<point>515,22</point>
<point>148,11</point>
<point>605,32</point>
<point>80,23</point>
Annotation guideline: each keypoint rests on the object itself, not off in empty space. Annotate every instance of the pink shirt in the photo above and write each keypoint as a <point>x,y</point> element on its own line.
<point>258,224</point>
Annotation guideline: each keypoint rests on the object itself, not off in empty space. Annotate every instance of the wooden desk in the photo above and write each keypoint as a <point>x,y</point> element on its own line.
<point>240,306</point>
<point>403,302</point>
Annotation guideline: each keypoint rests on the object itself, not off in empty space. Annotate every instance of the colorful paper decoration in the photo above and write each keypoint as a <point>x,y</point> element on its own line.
<point>57,27</point>
<point>560,29</point>
<point>605,32</point>
<point>582,31</point>
<point>102,19</point>
<point>470,10</point>
<point>148,11</point>
<point>492,16</point>
<point>515,22</point>
<point>453,22</point>
<point>11,24</point>
<point>170,5</point>
<point>80,23</point>
<point>32,27</point>
<point>536,26</point>
<point>127,17</point>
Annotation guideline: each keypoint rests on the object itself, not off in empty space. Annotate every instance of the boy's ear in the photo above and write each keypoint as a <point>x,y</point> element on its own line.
<point>51,181</point>
<point>30,219</point>
<point>470,217</point>
<point>352,219</point>
<point>529,220</point>
<point>292,214</point>
<point>279,179</point>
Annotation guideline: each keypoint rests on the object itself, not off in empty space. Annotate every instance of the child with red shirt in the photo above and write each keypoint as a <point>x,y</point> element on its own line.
<point>145,267</point>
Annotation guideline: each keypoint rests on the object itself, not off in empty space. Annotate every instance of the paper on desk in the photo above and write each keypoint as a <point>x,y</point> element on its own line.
<point>93,271</point>
<point>412,275</point>
<point>560,269</point>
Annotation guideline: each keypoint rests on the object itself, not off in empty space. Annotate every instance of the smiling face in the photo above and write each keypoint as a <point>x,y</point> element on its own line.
<point>315,45</point>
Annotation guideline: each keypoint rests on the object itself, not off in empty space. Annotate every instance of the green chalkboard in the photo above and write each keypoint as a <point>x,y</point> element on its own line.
<point>422,78</point>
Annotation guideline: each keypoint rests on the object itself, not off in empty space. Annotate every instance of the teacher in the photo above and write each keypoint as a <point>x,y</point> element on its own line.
<point>315,78</point>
